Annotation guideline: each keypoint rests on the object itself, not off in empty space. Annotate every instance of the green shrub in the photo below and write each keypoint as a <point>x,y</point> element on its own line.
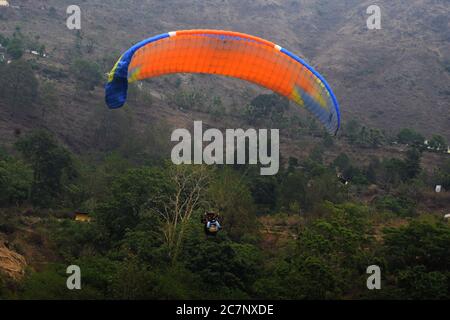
<point>400,206</point>
<point>87,74</point>
<point>18,85</point>
<point>15,182</point>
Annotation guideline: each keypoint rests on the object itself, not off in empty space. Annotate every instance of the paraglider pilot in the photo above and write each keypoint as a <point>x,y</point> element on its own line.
<point>212,224</point>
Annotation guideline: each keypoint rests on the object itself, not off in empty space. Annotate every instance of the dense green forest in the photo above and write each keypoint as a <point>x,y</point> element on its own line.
<point>146,239</point>
<point>310,232</point>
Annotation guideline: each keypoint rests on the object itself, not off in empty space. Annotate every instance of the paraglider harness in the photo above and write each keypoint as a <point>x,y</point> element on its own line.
<point>211,224</point>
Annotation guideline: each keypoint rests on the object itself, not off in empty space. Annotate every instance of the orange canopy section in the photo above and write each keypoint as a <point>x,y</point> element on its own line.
<point>230,54</point>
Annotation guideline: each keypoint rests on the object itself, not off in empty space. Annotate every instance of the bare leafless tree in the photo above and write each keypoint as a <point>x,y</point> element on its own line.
<point>176,209</point>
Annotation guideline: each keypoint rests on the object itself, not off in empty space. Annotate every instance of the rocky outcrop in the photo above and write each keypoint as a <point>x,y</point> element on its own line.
<point>11,263</point>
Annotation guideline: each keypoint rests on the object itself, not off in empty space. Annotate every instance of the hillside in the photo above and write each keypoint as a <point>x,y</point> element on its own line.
<point>392,78</point>
<point>85,186</point>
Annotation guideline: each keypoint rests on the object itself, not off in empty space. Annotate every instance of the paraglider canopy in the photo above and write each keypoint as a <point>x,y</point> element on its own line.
<point>230,54</point>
